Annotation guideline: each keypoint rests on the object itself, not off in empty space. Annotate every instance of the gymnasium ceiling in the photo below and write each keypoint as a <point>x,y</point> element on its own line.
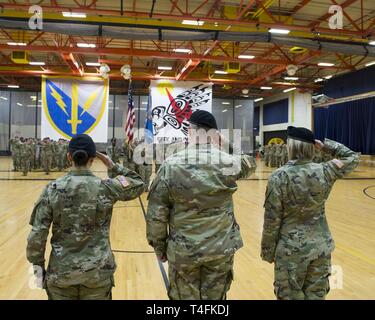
<point>145,34</point>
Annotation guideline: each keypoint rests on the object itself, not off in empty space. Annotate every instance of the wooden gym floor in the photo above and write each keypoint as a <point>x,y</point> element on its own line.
<point>350,211</point>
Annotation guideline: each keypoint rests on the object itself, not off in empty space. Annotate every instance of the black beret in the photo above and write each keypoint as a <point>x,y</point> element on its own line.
<point>82,142</point>
<point>301,134</point>
<point>203,118</point>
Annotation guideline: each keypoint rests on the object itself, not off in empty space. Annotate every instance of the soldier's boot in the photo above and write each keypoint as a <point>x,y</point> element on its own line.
<point>201,281</point>
<point>24,168</point>
<point>101,290</point>
<point>316,285</point>
<point>46,167</point>
<point>14,165</point>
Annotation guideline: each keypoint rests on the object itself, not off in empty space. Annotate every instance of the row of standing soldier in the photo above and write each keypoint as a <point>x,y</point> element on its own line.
<point>29,154</point>
<point>276,155</point>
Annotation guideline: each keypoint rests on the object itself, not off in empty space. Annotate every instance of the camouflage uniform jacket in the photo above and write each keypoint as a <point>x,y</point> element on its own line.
<point>13,145</point>
<point>128,151</point>
<point>114,153</point>
<point>79,207</point>
<point>190,209</point>
<point>47,149</point>
<point>294,219</point>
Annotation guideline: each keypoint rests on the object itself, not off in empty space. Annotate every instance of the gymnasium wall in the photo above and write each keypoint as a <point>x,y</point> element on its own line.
<point>353,122</point>
<point>351,83</point>
<point>277,112</point>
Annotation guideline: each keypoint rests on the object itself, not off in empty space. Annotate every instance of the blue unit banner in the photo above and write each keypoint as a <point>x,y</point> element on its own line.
<point>73,105</point>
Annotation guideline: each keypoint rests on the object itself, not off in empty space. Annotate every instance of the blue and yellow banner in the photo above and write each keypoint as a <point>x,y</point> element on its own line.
<point>73,105</point>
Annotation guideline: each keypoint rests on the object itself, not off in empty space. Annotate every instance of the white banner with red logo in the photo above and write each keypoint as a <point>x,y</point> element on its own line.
<point>173,102</point>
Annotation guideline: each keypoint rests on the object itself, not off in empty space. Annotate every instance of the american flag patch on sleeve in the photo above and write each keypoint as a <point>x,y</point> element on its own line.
<point>123,181</point>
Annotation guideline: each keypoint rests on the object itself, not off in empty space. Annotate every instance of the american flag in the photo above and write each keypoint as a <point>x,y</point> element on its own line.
<point>130,118</point>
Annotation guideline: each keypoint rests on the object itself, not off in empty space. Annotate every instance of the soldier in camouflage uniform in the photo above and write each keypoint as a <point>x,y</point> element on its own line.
<point>190,219</point>
<point>79,207</point>
<point>296,235</point>
<point>144,169</point>
<point>272,155</point>
<point>46,154</point>
<point>127,161</point>
<point>284,154</point>
<point>14,148</point>
<point>113,151</point>
<point>25,154</point>
<point>60,155</point>
<point>278,155</point>
<point>267,155</point>
<point>33,154</point>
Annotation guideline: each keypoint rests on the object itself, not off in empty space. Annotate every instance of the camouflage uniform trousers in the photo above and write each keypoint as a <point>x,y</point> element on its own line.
<point>272,161</point>
<point>279,162</point>
<point>145,173</point>
<point>16,160</point>
<point>25,164</point>
<point>46,163</point>
<point>61,161</point>
<point>302,280</point>
<point>200,281</point>
<point>100,290</point>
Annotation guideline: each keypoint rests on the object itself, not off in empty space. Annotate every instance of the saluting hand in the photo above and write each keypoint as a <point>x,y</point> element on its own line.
<point>105,159</point>
<point>318,144</point>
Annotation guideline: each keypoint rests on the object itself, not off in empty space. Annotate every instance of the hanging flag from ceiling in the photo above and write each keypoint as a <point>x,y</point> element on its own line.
<point>173,102</point>
<point>73,105</point>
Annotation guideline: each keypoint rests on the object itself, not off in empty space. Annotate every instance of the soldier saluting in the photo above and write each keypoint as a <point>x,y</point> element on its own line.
<point>79,207</point>
<point>296,235</point>
<point>190,218</point>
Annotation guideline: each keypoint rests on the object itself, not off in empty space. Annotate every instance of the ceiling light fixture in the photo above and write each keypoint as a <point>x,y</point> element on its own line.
<point>325,64</point>
<point>318,80</point>
<point>193,22</point>
<point>164,68</point>
<point>279,31</point>
<point>74,15</point>
<point>22,44</point>
<point>291,78</point>
<point>220,72</point>
<point>37,63</point>
<point>86,45</point>
<point>259,99</point>
<point>266,88</point>
<point>14,86</point>
<point>93,64</point>
<point>245,56</point>
<point>370,64</point>
<point>290,89</point>
<point>182,50</point>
